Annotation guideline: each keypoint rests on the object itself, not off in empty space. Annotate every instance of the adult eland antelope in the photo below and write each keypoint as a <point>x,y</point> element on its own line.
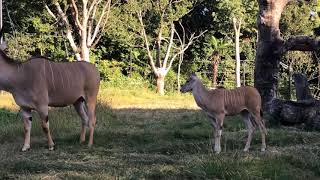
<point>40,82</point>
<point>218,103</point>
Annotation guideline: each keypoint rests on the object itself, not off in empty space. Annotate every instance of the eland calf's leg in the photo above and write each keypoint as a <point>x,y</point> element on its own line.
<point>262,129</point>
<point>43,113</point>
<point>219,119</point>
<point>27,119</point>
<point>80,107</point>
<point>250,129</point>
<point>217,122</point>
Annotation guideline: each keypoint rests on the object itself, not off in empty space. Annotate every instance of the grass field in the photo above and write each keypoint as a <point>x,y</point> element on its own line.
<point>141,135</point>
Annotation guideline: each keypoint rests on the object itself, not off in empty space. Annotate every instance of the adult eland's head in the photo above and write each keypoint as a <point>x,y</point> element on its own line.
<point>190,84</point>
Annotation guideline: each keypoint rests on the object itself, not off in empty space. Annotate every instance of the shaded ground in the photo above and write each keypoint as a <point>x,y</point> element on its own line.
<point>152,140</point>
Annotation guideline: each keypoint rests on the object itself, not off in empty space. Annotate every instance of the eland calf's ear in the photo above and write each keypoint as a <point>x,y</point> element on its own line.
<point>193,74</point>
<point>3,45</point>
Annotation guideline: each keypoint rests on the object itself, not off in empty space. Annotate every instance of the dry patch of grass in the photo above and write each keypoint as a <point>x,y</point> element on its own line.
<point>141,135</point>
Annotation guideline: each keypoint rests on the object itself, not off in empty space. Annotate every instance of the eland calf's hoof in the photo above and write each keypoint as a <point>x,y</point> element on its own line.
<point>25,148</point>
<point>51,148</point>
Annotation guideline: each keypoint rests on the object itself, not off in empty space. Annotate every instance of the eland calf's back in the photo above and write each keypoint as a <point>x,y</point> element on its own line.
<point>218,103</point>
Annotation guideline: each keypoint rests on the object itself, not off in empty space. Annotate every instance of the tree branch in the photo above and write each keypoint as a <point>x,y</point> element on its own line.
<point>300,43</point>
<point>146,42</point>
<point>103,17</point>
<point>169,46</point>
<point>185,47</point>
<point>68,30</point>
<point>93,9</point>
<point>50,12</point>
<point>93,6</point>
<point>76,15</point>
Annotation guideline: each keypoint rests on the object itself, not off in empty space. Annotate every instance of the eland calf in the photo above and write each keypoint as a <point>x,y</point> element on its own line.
<point>39,83</point>
<point>218,103</point>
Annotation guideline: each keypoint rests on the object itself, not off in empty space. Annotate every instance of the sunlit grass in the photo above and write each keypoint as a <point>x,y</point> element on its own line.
<point>141,135</point>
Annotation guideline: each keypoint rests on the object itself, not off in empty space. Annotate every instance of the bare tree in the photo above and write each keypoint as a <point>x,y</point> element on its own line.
<point>161,66</point>
<point>182,40</point>
<point>84,23</point>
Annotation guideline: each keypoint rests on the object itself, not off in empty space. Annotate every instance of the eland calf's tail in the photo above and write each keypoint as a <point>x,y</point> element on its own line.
<point>262,123</point>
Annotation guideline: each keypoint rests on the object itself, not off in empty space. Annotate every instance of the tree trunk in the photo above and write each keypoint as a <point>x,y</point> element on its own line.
<point>215,66</point>
<point>302,87</point>
<point>85,54</point>
<point>179,72</point>
<point>270,48</point>
<point>160,84</point>
<point>237,25</point>
<point>269,42</point>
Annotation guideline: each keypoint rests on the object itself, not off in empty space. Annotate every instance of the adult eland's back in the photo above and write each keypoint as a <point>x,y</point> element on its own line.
<point>39,83</point>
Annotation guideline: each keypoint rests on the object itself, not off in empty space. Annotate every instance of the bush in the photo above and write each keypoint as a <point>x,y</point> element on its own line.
<point>112,74</point>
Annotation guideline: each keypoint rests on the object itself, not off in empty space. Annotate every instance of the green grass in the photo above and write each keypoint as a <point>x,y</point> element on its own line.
<point>141,135</point>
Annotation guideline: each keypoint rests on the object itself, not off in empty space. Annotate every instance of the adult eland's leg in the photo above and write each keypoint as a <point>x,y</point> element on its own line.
<point>81,110</point>
<point>91,104</point>
<point>27,119</point>
<point>43,113</point>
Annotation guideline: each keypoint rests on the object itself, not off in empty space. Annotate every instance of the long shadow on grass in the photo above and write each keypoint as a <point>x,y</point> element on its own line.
<point>139,140</point>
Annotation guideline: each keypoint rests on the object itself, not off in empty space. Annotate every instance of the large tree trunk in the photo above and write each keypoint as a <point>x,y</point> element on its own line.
<point>269,41</point>
<point>271,47</point>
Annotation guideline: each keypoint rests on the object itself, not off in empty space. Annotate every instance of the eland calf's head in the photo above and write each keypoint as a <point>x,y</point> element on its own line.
<point>190,84</point>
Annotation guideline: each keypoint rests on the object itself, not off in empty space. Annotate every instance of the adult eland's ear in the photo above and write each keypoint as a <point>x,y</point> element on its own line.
<point>3,45</point>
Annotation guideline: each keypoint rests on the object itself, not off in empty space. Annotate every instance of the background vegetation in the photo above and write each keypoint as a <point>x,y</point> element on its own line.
<point>139,133</point>
<point>30,30</point>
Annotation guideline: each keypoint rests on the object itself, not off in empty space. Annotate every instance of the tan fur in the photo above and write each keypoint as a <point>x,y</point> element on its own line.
<point>218,103</point>
<point>39,83</point>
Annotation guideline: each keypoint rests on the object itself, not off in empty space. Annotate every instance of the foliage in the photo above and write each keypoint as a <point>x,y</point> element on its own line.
<point>112,73</point>
<point>30,30</point>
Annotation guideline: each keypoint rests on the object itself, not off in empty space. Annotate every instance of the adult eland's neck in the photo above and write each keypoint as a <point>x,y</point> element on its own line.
<point>8,76</point>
